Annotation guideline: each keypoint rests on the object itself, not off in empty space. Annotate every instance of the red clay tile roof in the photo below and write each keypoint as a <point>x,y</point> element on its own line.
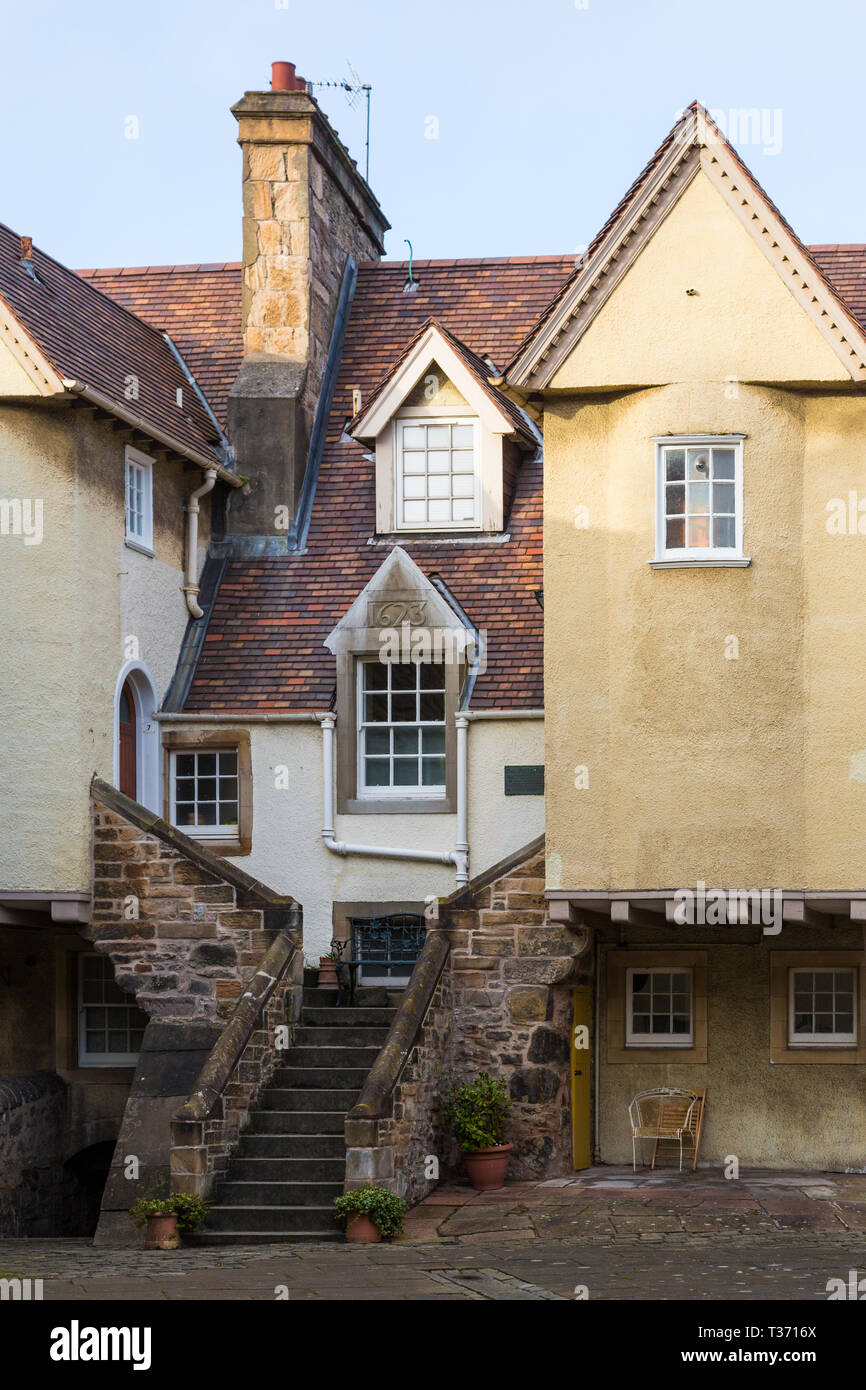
<point>845,268</point>
<point>198,305</point>
<point>86,336</point>
<point>263,649</point>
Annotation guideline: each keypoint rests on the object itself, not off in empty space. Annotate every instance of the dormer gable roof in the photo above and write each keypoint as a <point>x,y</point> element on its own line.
<point>471,375</point>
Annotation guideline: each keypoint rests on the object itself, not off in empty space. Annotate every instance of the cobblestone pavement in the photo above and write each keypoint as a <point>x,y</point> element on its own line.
<point>605,1235</point>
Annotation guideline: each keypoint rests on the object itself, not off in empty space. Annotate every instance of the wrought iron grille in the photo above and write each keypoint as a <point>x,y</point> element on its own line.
<point>387,947</point>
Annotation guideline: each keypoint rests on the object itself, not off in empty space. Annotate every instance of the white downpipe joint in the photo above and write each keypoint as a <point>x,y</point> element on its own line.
<point>458,857</point>
<point>190,588</point>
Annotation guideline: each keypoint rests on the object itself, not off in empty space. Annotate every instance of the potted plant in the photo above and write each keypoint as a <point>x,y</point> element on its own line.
<point>370,1213</point>
<point>165,1216</point>
<point>477,1112</point>
<point>328,971</point>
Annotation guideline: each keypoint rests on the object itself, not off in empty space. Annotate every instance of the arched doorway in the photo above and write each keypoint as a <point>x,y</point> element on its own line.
<point>127,737</point>
<point>136,736</point>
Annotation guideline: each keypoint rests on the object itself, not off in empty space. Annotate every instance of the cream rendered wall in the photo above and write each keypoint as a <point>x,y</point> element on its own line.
<point>783,1115</point>
<point>288,853</point>
<point>747,771</point>
<point>741,320</point>
<point>71,602</point>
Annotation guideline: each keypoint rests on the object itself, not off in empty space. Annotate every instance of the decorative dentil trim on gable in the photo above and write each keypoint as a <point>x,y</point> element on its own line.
<point>696,145</point>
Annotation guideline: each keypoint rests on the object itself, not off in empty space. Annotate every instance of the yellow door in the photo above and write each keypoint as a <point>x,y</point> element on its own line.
<point>581,1054</point>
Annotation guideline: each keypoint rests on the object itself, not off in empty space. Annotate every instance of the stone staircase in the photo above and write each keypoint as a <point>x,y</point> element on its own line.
<point>290,1162</point>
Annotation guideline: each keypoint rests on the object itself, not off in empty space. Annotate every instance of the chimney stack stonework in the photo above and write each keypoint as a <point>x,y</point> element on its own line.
<point>306,210</point>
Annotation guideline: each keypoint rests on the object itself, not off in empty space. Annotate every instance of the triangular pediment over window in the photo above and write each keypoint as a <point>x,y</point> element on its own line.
<point>401,599</point>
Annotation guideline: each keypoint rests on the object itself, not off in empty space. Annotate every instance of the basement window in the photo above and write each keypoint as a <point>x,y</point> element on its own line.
<point>699,501</point>
<point>139,500</point>
<point>110,1023</point>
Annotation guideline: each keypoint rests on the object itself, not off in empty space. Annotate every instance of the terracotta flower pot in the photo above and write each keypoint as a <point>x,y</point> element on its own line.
<point>486,1168</point>
<point>161,1232</point>
<point>327,973</point>
<point>361,1229</point>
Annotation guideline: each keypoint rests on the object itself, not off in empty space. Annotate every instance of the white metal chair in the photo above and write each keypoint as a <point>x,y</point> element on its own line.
<point>667,1114</point>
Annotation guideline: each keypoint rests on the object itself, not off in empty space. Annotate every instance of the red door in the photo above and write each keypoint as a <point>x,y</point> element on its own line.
<point>127,761</point>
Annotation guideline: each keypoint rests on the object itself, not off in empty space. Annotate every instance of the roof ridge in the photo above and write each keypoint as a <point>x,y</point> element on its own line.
<point>551,258</point>
<point>90,272</point>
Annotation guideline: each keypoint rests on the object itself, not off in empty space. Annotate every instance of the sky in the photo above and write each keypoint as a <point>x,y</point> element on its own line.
<point>499,127</point>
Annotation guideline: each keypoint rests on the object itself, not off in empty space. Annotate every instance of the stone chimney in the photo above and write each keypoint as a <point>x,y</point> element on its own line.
<point>306,211</point>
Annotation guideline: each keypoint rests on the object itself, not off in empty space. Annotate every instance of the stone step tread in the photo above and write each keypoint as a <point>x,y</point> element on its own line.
<point>319,1145</point>
<point>263,1123</point>
<point>297,1099</point>
<point>355,1017</point>
<point>277,1168</point>
<point>326,1036</point>
<point>329,1056</point>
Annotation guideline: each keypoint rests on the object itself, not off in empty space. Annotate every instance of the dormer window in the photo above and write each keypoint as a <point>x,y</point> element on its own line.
<point>437,484</point>
<point>448,444</point>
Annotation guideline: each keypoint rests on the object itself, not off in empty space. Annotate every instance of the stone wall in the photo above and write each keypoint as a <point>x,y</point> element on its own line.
<point>176,933</point>
<point>395,1150</point>
<point>186,933</point>
<point>502,1005</point>
<point>34,1191</point>
<point>514,974</point>
<point>201,1148</point>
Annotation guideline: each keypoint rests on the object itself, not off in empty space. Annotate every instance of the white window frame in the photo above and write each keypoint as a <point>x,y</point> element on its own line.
<point>205,832</point>
<point>685,557</point>
<point>813,1040</point>
<point>408,419</point>
<point>97,1059</point>
<point>137,462</point>
<point>642,1040</point>
<point>434,792</point>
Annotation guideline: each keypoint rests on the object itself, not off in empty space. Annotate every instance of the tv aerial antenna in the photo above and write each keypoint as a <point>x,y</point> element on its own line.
<point>355,90</point>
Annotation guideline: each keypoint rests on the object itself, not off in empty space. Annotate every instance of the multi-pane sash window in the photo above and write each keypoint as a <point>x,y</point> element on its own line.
<point>822,1008</point>
<point>401,728</point>
<point>660,1007</point>
<point>139,498</point>
<point>700,499</point>
<point>204,792</point>
<point>111,1025</point>
<point>436,477</point>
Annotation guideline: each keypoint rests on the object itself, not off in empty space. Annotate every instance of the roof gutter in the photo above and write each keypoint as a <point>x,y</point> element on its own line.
<point>205,461</point>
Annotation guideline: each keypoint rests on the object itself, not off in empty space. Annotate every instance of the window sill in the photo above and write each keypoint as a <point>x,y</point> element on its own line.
<point>142,549</point>
<point>402,806</point>
<point>229,849</point>
<point>714,563</point>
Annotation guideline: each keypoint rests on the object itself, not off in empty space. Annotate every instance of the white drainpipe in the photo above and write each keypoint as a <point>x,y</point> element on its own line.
<point>459,857</point>
<point>190,588</point>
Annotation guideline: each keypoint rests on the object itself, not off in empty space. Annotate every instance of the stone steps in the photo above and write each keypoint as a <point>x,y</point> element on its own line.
<point>290,1163</point>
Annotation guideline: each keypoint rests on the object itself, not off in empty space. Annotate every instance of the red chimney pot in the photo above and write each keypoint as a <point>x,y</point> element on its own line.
<point>283,78</point>
<point>26,248</point>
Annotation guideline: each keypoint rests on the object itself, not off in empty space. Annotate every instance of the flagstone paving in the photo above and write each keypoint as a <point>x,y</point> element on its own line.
<point>604,1234</point>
